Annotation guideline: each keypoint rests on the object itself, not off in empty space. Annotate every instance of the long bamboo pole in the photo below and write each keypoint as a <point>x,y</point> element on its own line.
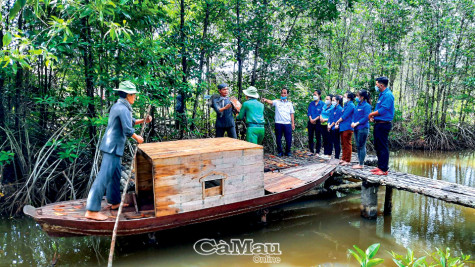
<point>116,225</point>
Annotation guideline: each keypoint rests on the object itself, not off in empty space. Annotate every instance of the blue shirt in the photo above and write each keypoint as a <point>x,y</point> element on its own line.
<point>347,117</point>
<point>385,106</point>
<point>335,115</point>
<point>315,110</point>
<point>326,112</point>
<point>120,125</point>
<point>361,115</point>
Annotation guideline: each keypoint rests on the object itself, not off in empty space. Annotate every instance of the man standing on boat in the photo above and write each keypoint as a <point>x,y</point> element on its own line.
<point>382,117</point>
<point>253,110</point>
<point>224,113</point>
<point>284,121</point>
<point>119,126</point>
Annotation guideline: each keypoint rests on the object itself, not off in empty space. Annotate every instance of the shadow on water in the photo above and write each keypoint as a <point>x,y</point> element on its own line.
<point>310,231</point>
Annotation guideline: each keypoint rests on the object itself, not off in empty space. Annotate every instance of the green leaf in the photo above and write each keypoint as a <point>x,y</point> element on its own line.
<point>19,4</point>
<point>398,263</point>
<point>419,262</point>
<point>374,262</point>
<point>14,67</point>
<point>372,250</point>
<point>361,252</point>
<point>355,256</point>
<point>7,39</point>
<point>442,262</point>
<point>112,34</point>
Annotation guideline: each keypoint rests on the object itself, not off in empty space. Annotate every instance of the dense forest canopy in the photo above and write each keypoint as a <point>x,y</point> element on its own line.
<point>61,59</point>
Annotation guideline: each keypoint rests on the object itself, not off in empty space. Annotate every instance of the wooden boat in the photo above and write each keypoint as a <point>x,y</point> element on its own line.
<point>185,182</point>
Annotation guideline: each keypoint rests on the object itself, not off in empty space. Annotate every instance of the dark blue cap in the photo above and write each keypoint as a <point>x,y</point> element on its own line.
<point>221,86</point>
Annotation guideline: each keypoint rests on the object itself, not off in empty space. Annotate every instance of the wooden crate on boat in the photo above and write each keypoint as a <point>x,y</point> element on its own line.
<point>195,174</point>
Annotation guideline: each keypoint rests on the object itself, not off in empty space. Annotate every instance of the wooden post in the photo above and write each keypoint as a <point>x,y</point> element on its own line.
<point>119,211</point>
<point>369,200</point>
<point>387,224</point>
<point>388,204</point>
<point>263,215</point>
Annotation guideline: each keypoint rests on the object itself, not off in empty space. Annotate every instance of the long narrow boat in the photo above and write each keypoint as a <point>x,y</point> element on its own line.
<point>185,182</point>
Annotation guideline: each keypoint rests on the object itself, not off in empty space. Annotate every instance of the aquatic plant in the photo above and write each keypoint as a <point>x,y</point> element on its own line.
<point>438,258</point>
<point>365,258</point>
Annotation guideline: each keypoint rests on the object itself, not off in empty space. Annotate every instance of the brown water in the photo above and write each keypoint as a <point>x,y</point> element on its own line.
<point>310,231</point>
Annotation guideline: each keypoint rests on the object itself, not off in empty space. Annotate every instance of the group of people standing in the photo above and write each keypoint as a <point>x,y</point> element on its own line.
<point>252,111</point>
<point>332,123</point>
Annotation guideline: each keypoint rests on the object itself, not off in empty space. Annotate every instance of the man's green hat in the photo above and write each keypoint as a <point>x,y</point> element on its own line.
<point>127,87</point>
<point>251,92</point>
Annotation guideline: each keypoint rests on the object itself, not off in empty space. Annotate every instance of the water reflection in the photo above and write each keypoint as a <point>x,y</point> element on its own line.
<point>310,231</point>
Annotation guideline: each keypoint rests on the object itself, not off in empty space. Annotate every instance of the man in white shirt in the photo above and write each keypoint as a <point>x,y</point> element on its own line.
<point>284,121</point>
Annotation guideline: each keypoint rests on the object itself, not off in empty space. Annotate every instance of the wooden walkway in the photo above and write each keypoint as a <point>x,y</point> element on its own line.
<point>446,191</point>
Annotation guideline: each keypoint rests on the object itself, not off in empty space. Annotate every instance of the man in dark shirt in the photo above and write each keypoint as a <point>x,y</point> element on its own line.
<point>224,113</point>
<point>314,111</point>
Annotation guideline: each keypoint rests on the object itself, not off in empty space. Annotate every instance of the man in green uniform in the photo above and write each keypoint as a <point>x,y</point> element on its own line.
<point>253,110</point>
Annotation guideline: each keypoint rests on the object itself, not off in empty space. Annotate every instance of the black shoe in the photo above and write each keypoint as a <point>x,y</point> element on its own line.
<point>288,154</point>
<point>280,154</point>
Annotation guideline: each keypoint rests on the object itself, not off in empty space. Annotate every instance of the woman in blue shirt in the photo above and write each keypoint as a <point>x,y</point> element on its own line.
<point>361,125</point>
<point>327,110</point>
<point>337,101</point>
<point>346,131</point>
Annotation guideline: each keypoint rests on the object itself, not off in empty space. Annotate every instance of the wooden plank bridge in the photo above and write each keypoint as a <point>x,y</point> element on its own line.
<point>446,191</point>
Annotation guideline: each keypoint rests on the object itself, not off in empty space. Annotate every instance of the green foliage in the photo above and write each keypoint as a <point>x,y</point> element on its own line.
<point>6,157</point>
<point>19,4</point>
<point>445,259</point>
<point>366,258</point>
<point>408,259</point>
<point>437,258</point>
<point>70,149</point>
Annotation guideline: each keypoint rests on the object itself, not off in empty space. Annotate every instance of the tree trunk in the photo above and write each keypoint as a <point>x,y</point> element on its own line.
<point>2,83</point>
<point>239,52</point>
<point>202,57</point>
<point>88,75</point>
<point>18,82</point>
<point>180,106</point>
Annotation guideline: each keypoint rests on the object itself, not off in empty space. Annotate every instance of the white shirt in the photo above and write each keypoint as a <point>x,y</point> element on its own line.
<point>283,109</point>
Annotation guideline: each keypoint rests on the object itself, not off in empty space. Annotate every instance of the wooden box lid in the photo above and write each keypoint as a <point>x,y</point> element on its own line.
<point>194,147</point>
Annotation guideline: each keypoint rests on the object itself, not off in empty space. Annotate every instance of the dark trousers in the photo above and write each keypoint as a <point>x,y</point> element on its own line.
<point>381,144</point>
<point>230,130</point>
<point>327,142</point>
<point>108,179</point>
<point>286,130</point>
<point>314,130</point>
<point>335,138</point>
